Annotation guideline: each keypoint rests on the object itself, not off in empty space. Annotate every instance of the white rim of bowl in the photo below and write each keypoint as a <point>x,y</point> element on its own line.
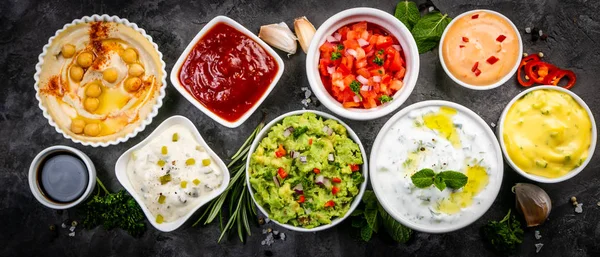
<point>363,186</point>
<point>174,75</point>
<point>149,117</point>
<point>35,165</point>
<point>503,79</point>
<point>541,179</point>
<point>429,103</point>
<point>410,50</point>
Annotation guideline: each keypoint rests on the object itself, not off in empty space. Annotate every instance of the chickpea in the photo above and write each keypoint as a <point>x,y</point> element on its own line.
<point>129,55</point>
<point>93,89</point>
<point>68,50</point>
<point>110,75</point>
<point>77,126</point>
<point>85,59</point>
<point>92,129</point>
<point>91,104</point>
<point>76,73</point>
<point>135,70</point>
<point>133,84</point>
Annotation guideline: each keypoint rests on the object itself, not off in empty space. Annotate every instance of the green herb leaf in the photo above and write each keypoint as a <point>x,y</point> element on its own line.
<point>335,56</point>
<point>378,61</point>
<point>357,212</point>
<point>358,223</point>
<point>395,229</point>
<point>423,178</point>
<point>408,13</point>
<point>429,29</point>
<point>340,47</point>
<point>371,217</point>
<point>384,99</point>
<point>438,182</point>
<point>453,179</point>
<point>366,233</point>
<point>355,87</point>
<point>503,236</point>
<point>114,210</point>
<point>299,131</point>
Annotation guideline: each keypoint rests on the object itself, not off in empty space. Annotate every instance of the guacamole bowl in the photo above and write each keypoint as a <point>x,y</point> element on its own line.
<point>307,171</point>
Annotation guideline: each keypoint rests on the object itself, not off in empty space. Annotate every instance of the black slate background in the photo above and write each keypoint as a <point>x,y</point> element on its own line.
<point>25,26</point>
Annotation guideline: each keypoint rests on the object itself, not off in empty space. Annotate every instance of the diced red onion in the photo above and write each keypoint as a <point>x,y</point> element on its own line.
<point>376,79</point>
<point>298,189</point>
<point>308,211</point>
<point>303,159</point>
<point>337,36</point>
<point>288,131</point>
<point>363,42</point>
<point>331,39</point>
<point>326,182</point>
<point>330,69</point>
<point>294,154</point>
<point>365,88</point>
<point>362,79</point>
<point>397,47</point>
<point>319,179</point>
<point>351,52</point>
<point>327,130</point>
<point>330,157</point>
<point>356,99</point>
<point>276,180</point>
<point>370,53</point>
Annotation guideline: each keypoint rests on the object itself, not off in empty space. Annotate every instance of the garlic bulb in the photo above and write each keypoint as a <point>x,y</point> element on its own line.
<point>533,202</point>
<point>305,32</point>
<point>279,36</point>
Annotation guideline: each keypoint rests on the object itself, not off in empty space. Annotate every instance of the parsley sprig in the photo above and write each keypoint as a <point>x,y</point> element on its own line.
<point>504,235</point>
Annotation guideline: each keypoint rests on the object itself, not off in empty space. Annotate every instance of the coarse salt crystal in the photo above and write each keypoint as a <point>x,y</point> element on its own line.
<point>307,93</point>
<point>579,208</point>
<point>283,236</point>
<point>63,225</point>
<point>72,234</point>
<point>537,235</point>
<point>72,229</point>
<point>431,8</point>
<point>538,247</point>
<point>540,32</point>
<point>493,125</point>
<point>528,30</point>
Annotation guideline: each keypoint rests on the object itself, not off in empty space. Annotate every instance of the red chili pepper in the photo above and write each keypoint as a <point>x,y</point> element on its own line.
<point>492,60</point>
<point>500,38</point>
<point>461,46</point>
<point>310,141</point>
<point>336,180</point>
<point>537,71</point>
<point>334,190</point>
<point>282,173</point>
<point>477,72</point>
<point>301,199</point>
<point>354,167</point>
<point>316,170</point>
<point>524,61</point>
<point>465,39</point>
<point>475,16</point>
<point>280,152</point>
<point>557,75</point>
<point>475,66</point>
<point>330,203</point>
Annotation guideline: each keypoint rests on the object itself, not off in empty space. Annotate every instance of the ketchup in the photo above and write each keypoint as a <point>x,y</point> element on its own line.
<point>227,72</point>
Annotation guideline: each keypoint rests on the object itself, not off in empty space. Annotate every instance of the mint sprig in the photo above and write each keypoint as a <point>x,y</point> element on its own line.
<point>427,177</point>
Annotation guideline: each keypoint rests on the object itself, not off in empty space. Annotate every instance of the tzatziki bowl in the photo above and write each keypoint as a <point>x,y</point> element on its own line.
<point>444,140</point>
<point>172,173</point>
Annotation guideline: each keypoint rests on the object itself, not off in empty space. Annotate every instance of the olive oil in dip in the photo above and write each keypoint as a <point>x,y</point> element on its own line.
<point>62,177</point>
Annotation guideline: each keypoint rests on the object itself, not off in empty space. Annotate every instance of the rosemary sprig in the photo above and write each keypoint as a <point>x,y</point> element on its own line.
<point>240,207</point>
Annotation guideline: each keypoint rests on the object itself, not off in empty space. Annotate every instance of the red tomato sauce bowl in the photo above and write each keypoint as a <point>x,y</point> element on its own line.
<point>226,71</point>
<point>362,63</point>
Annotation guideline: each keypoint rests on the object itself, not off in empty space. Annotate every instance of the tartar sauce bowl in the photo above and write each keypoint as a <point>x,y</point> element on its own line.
<point>499,82</point>
<point>34,184</point>
<point>174,76</point>
<point>442,136</point>
<point>363,168</point>
<point>392,26</point>
<point>541,179</point>
<point>122,165</point>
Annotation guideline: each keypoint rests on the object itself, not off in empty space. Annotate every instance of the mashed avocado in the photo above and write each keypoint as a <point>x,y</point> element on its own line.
<point>306,171</point>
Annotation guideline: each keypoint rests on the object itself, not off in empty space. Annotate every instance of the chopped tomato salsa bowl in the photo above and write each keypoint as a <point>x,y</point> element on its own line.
<point>362,63</point>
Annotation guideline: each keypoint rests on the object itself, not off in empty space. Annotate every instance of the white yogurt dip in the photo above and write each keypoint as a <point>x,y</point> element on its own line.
<point>173,174</point>
<point>441,139</point>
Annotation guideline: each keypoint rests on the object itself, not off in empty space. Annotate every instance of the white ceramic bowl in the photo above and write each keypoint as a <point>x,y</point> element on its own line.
<point>121,172</point>
<point>144,123</point>
<point>35,166</point>
<point>395,28</point>
<point>177,67</point>
<point>573,173</point>
<point>264,132</point>
<point>384,199</point>
<point>503,79</point>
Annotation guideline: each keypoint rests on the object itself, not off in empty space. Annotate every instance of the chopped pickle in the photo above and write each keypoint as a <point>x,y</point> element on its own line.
<point>190,162</point>
<point>161,199</point>
<point>183,184</point>
<point>175,137</point>
<point>164,150</point>
<point>206,162</point>
<point>159,219</point>
<point>196,182</point>
<point>541,163</point>
<point>165,179</point>
<point>161,163</point>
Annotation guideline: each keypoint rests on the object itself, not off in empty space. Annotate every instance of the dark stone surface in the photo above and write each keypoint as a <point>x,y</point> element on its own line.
<point>25,26</point>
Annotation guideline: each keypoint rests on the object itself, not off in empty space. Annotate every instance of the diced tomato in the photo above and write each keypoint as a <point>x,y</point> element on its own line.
<point>397,63</point>
<point>336,180</point>
<point>280,152</point>
<point>310,141</point>
<point>360,27</point>
<point>352,35</point>
<point>364,72</point>
<point>301,199</point>
<point>316,170</point>
<point>329,203</point>
<point>384,41</point>
<point>360,53</point>
<point>400,74</point>
<point>354,167</point>
<point>328,47</point>
<point>281,172</point>
<point>396,85</point>
<point>361,63</point>
<point>351,104</point>
<point>334,190</point>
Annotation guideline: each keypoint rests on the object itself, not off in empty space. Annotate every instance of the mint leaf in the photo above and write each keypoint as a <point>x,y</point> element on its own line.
<point>423,178</point>
<point>438,181</point>
<point>371,217</point>
<point>408,13</point>
<point>453,179</point>
<point>429,29</point>
<point>369,198</point>
<point>358,223</point>
<point>357,212</point>
<point>366,233</point>
<point>395,229</point>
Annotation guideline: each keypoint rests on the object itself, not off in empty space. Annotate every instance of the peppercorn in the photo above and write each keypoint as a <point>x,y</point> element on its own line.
<point>261,221</point>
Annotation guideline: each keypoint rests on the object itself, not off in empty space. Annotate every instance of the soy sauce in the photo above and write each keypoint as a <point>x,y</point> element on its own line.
<point>62,177</point>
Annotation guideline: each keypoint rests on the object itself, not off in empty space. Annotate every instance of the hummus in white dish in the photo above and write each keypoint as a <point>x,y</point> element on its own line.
<point>173,174</point>
<point>99,80</point>
<point>440,138</point>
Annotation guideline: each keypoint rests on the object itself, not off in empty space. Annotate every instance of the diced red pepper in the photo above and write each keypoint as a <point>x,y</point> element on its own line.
<point>330,203</point>
<point>316,170</point>
<point>492,59</point>
<point>461,46</point>
<point>354,167</point>
<point>474,68</point>
<point>336,180</point>
<point>477,72</point>
<point>465,39</point>
<point>301,199</point>
<point>280,152</point>
<point>334,190</point>
<point>281,172</point>
<point>500,38</point>
<point>310,141</point>
<point>475,16</point>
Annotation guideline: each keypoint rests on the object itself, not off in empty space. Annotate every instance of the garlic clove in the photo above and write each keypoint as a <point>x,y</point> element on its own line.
<point>279,36</point>
<point>533,202</point>
<point>305,32</point>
